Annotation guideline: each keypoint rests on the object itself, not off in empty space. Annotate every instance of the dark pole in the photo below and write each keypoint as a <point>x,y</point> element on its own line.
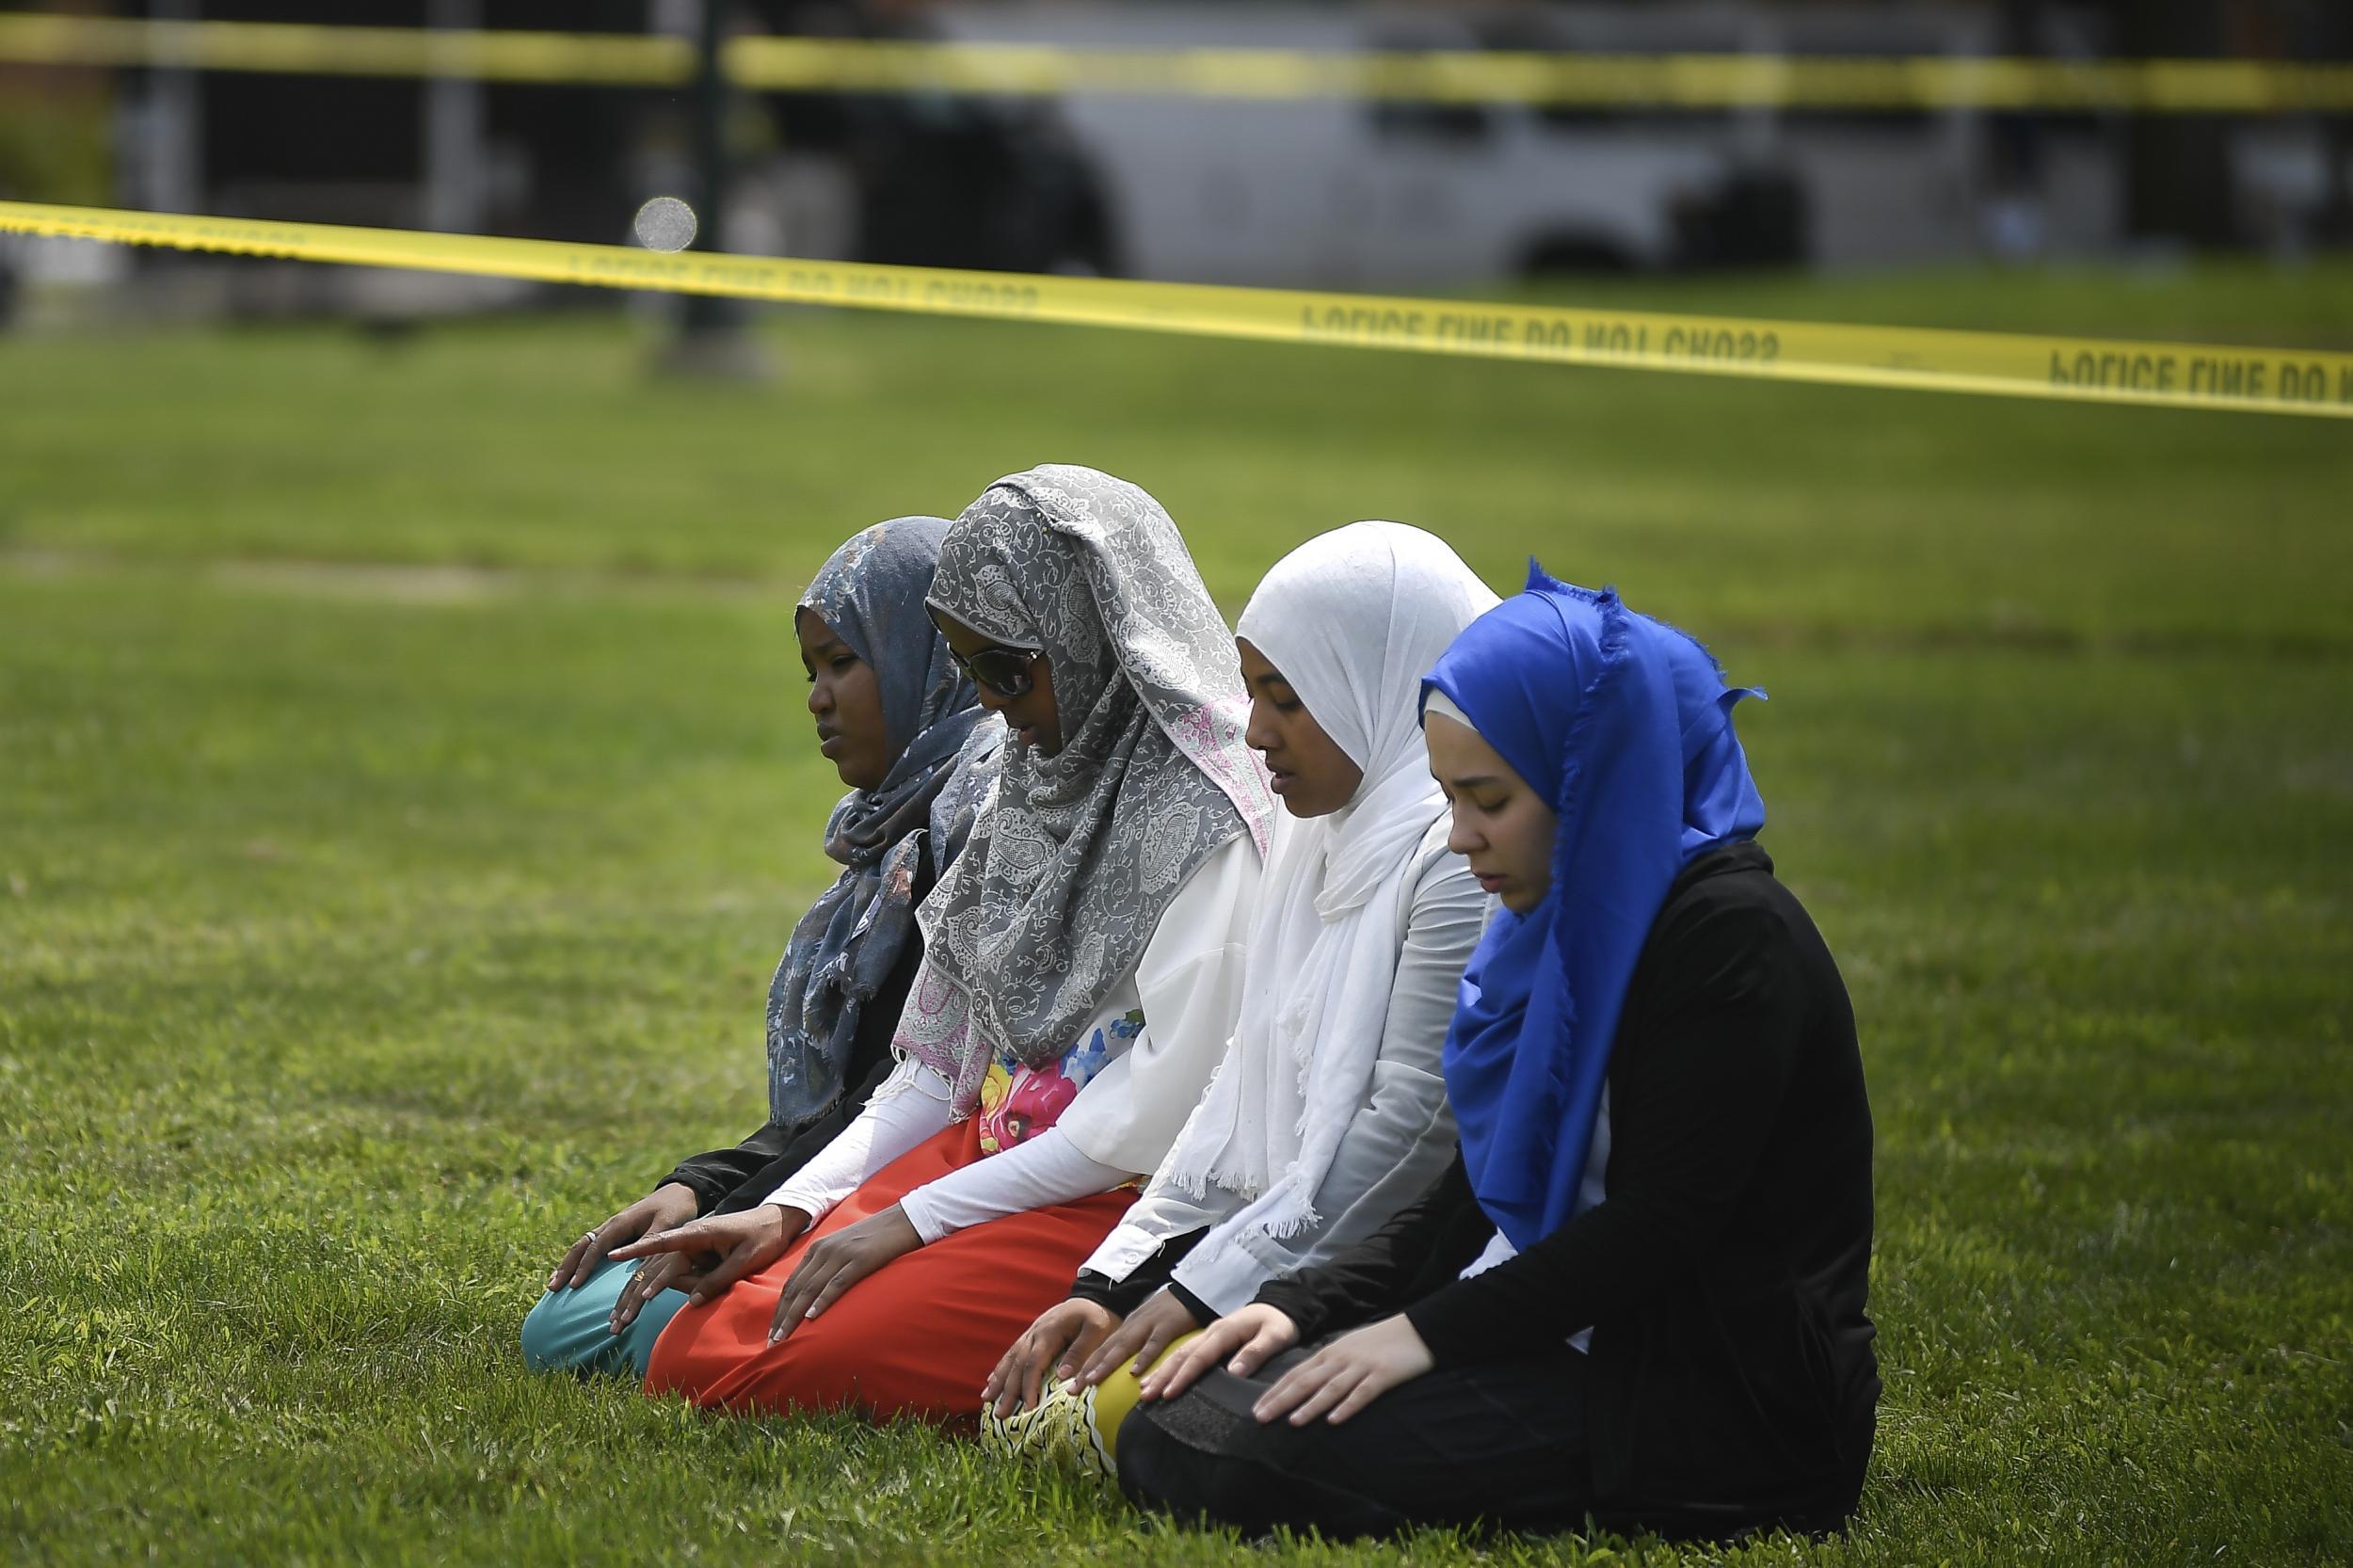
<point>704,313</point>
<point>2177,167</point>
<point>711,339</point>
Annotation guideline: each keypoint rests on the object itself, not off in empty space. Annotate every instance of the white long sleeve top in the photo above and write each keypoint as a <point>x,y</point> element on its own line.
<point>1395,1146</point>
<point>1140,1068</point>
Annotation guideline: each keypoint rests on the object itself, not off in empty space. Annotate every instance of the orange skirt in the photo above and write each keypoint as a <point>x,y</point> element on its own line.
<point>917,1336</point>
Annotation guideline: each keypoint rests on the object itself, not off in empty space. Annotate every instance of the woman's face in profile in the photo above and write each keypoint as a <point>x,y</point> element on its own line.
<point>846,701</point>
<point>1312,774</point>
<point>1502,826</point>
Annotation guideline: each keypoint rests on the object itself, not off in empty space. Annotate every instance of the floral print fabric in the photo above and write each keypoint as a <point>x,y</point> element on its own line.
<point>1019,1101</point>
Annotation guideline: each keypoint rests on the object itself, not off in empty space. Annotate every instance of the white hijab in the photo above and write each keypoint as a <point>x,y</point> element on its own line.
<point>1353,620</point>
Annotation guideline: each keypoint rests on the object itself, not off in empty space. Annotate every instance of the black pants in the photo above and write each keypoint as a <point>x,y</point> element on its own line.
<point>1500,1446</point>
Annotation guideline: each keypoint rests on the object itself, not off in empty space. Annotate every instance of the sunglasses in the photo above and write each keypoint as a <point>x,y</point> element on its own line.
<point>1009,672</point>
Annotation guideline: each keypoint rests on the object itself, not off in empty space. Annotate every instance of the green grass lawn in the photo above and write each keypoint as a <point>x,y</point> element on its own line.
<point>404,794</point>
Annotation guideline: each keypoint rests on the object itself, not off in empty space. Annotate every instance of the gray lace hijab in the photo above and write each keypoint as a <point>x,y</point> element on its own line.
<point>1076,857</point>
<point>871,594</point>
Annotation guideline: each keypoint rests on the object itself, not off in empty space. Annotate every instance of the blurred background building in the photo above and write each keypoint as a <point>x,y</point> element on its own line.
<point>1318,193</point>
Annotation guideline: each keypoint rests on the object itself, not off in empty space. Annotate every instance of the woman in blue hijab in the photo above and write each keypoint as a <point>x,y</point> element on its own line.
<point>1637,1295</point>
<point>905,729</point>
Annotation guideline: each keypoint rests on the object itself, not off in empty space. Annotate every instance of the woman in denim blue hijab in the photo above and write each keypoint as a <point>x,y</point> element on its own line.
<point>871,597</point>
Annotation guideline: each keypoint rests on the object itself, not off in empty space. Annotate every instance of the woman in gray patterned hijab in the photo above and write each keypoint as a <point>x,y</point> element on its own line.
<point>1074,860</point>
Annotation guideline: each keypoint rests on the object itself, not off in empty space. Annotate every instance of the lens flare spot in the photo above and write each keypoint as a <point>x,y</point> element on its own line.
<point>666,223</point>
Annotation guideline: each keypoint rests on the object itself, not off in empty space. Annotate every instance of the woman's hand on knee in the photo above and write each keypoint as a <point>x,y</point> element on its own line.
<point>1064,1335</point>
<point>671,1204</point>
<point>1348,1374</point>
<point>1150,1329</point>
<point>722,1249</point>
<point>834,1263</point>
<point>653,1276</point>
<point>1244,1341</point>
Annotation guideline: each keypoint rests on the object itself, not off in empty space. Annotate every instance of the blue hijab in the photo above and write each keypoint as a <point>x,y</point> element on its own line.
<point>870,594</point>
<point>1647,773</point>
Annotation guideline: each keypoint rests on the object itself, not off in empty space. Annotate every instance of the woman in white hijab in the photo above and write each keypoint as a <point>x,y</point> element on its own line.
<point>1328,1113</point>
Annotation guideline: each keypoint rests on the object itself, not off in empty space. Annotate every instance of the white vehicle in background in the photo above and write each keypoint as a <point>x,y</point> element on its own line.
<point>1351,194</point>
<point>1348,194</point>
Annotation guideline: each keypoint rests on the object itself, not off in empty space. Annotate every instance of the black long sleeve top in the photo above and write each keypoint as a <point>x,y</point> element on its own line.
<point>727,1180</point>
<point>1731,1379</point>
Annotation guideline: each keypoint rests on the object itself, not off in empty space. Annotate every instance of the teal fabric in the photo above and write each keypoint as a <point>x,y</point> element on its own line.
<point>567,1331</point>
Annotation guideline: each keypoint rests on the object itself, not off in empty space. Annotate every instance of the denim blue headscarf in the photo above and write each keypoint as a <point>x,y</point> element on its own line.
<point>1625,724</point>
<point>870,594</point>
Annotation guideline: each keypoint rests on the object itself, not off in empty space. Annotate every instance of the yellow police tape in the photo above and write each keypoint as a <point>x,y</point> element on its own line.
<point>1548,80</point>
<point>1560,80</point>
<point>2267,380</point>
<point>619,59</point>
